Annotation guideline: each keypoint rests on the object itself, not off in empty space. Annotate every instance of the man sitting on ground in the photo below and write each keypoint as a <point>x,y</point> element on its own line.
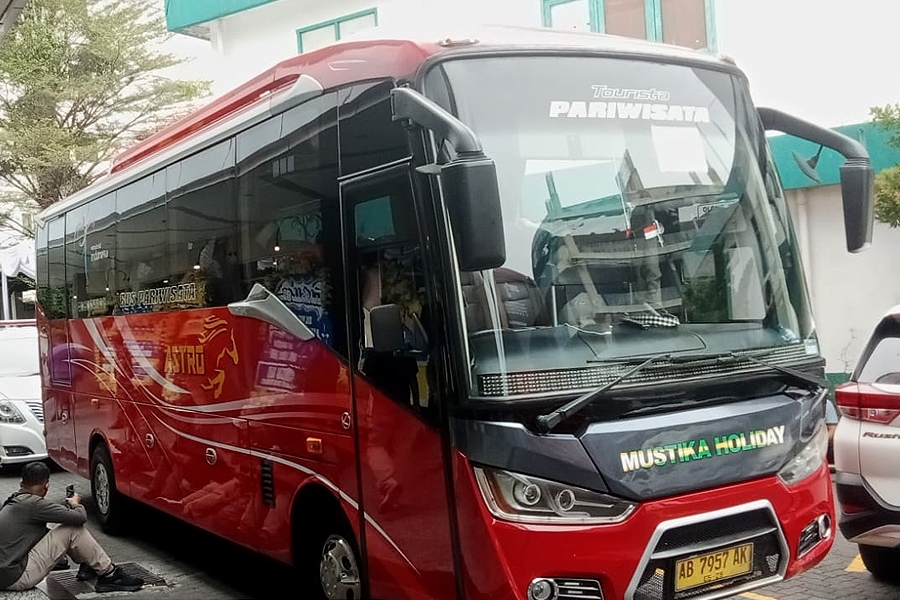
<point>29,549</point>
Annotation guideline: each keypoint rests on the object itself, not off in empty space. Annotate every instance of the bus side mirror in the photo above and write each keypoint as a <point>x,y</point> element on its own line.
<point>469,183</point>
<point>857,174</point>
<point>858,193</point>
<point>386,326</point>
<point>472,195</point>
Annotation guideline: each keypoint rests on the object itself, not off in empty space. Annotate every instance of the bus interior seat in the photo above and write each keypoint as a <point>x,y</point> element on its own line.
<point>518,299</point>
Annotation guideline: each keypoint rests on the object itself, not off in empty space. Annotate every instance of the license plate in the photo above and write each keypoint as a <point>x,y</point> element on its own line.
<point>712,567</point>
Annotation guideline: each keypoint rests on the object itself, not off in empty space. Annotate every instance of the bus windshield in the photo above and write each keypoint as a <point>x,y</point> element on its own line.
<point>641,216</point>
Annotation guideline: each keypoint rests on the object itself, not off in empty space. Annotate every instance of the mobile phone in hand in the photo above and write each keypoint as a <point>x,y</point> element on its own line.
<point>70,490</point>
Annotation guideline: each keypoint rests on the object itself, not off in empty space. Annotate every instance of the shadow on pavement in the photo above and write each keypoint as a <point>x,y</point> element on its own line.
<point>252,575</point>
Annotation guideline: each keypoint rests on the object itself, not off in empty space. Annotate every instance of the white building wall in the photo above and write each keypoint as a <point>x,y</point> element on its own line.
<point>850,292</point>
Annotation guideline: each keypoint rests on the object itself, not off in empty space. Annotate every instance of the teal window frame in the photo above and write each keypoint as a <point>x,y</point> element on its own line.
<point>652,12</point>
<point>336,23</point>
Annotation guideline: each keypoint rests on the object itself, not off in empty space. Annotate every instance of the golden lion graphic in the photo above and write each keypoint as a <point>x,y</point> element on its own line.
<point>214,327</point>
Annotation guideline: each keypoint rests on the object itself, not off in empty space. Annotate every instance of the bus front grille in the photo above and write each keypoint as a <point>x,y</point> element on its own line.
<point>758,527</point>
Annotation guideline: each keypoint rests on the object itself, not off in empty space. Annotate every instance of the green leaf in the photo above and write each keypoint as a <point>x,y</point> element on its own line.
<point>887,196</point>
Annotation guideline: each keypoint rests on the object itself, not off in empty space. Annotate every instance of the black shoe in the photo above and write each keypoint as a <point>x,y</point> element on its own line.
<point>118,581</point>
<point>85,572</point>
<point>62,564</point>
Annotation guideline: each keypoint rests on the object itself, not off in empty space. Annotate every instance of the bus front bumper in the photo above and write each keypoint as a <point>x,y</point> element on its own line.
<point>775,531</point>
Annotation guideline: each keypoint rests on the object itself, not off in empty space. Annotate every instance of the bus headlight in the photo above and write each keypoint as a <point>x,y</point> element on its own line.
<point>9,413</point>
<point>516,497</point>
<point>808,460</point>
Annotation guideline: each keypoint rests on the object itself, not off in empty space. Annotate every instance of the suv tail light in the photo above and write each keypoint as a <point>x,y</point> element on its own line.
<point>867,403</point>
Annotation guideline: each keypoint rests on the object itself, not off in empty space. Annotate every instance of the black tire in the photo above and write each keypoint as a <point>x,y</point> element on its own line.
<point>109,502</point>
<point>882,563</point>
<point>325,546</point>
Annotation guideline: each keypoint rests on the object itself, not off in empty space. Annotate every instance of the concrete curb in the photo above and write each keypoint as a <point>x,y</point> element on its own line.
<point>33,594</point>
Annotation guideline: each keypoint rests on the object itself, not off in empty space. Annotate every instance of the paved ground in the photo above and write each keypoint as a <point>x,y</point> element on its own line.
<point>196,565</point>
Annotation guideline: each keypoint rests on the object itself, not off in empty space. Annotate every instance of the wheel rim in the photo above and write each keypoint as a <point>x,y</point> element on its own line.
<point>101,488</point>
<point>338,570</point>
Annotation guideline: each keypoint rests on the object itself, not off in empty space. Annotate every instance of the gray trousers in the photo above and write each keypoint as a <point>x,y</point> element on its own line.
<point>77,542</point>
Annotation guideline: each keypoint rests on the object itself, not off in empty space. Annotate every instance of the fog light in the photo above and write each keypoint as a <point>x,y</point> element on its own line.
<point>17,450</point>
<point>541,589</point>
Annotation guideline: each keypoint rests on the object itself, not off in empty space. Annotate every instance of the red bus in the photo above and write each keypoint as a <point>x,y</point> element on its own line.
<point>519,315</point>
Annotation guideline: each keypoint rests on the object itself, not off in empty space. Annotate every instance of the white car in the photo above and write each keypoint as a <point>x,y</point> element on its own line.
<point>867,449</point>
<point>21,409</point>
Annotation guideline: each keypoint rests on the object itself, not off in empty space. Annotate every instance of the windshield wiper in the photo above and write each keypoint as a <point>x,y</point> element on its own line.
<point>799,377</point>
<point>546,423</point>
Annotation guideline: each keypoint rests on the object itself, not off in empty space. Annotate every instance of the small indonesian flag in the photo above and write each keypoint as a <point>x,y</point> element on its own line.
<point>653,230</point>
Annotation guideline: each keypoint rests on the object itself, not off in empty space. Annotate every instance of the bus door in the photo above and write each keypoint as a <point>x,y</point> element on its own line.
<point>403,494</point>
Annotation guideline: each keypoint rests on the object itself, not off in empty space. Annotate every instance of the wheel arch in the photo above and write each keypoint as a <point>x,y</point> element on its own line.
<point>97,440</point>
<point>318,512</point>
<point>315,498</point>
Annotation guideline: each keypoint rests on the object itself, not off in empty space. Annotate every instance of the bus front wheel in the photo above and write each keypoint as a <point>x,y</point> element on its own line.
<point>107,499</point>
<point>339,574</point>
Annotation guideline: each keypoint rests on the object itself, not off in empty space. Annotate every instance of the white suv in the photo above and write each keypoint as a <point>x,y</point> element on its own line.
<point>21,409</point>
<point>866,450</point>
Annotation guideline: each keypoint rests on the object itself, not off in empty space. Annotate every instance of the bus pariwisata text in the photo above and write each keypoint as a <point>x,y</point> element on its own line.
<point>520,315</point>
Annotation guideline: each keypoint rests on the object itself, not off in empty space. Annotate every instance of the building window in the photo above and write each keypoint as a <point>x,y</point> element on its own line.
<point>320,35</point>
<point>683,22</point>
<point>625,17</point>
<point>687,23</point>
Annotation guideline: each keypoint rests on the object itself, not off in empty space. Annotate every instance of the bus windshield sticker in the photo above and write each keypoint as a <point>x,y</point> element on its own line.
<point>619,103</point>
<point>580,109</point>
<point>181,293</point>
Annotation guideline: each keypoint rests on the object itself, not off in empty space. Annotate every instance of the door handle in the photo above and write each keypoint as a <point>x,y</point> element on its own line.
<point>263,305</point>
<point>211,456</point>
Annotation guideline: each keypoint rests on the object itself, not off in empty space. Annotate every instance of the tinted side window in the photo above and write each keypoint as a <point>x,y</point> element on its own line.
<point>100,245</point>
<point>369,137</point>
<point>390,269</point>
<point>90,250</point>
<point>202,223</point>
<point>141,262</point>
<point>76,258</point>
<point>290,215</point>
<point>883,365</point>
<point>57,305</point>
<point>43,277</point>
